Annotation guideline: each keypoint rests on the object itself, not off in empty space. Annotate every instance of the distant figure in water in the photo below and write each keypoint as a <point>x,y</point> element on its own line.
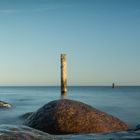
<point>113,85</point>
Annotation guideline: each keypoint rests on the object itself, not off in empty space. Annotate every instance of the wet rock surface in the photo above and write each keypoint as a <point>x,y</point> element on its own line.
<point>68,116</point>
<point>20,132</point>
<point>4,104</point>
<point>123,135</point>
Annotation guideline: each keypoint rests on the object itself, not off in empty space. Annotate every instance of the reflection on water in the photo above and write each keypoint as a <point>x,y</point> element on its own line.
<point>63,96</point>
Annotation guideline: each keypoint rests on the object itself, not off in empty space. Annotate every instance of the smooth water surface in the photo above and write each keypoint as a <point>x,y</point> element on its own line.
<point>122,102</point>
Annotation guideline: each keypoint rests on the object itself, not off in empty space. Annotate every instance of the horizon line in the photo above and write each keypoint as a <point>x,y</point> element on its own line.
<point>68,86</point>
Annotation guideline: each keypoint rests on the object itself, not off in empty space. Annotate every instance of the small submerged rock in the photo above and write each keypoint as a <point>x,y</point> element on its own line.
<point>68,116</point>
<point>20,132</point>
<point>137,127</point>
<point>4,104</point>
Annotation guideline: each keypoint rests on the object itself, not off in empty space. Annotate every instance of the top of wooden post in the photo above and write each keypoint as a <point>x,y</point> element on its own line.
<point>63,55</point>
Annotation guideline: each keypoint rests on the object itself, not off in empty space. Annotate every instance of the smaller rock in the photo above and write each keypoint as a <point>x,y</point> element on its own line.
<point>4,104</point>
<point>20,132</point>
<point>137,127</point>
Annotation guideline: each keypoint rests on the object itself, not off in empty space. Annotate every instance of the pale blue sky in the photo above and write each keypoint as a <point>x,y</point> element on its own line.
<point>100,37</point>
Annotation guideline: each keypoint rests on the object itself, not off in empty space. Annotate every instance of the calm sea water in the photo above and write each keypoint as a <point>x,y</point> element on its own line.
<point>122,102</point>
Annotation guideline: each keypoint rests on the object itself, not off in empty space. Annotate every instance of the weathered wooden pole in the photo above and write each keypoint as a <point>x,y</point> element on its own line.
<point>113,85</point>
<point>63,74</point>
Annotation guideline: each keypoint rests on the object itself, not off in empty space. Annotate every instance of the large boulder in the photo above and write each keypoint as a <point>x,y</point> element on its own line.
<point>67,116</point>
<point>20,132</point>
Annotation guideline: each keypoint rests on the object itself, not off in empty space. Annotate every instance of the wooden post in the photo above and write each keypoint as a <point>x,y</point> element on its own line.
<point>113,85</point>
<point>63,74</point>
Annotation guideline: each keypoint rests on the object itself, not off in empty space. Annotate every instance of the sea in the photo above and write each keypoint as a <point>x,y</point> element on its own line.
<point>121,101</point>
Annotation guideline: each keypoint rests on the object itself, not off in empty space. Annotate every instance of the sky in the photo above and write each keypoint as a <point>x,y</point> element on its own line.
<point>100,37</point>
